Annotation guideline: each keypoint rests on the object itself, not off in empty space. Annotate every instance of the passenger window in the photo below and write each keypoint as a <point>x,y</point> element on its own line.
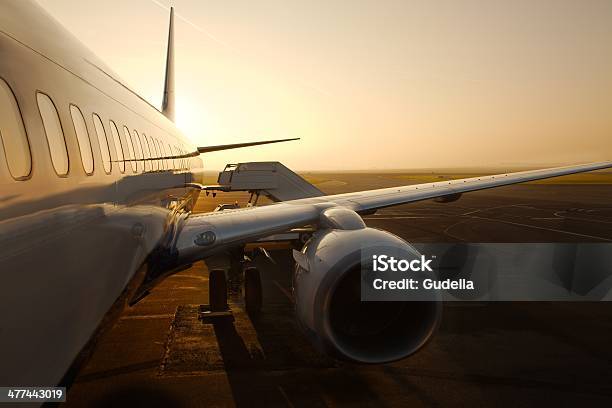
<point>133,149</point>
<point>145,146</point>
<point>126,146</point>
<point>150,151</point>
<point>154,152</point>
<point>157,155</point>
<point>170,161</point>
<point>83,139</point>
<point>145,151</point>
<point>13,135</point>
<point>54,132</point>
<point>166,154</point>
<point>139,149</point>
<point>103,142</point>
<point>162,153</point>
<point>177,160</point>
<point>119,146</point>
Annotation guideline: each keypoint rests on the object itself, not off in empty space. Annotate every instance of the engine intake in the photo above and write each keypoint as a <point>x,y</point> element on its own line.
<point>327,287</point>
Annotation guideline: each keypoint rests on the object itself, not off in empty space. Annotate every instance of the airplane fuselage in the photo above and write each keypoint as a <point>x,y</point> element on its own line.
<point>78,226</point>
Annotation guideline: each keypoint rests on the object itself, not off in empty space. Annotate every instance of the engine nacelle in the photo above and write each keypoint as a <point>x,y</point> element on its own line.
<point>327,288</point>
<point>449,198</point>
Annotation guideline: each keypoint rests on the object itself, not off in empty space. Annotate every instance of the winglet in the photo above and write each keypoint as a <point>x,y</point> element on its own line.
<point>208,149</point>
<point>168,101</point>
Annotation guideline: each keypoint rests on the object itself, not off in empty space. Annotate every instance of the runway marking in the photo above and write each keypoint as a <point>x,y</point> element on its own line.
<point>495,208</point>
<point>188,276</point>
<point>447,233</point>
<point>285,291</point>
<point>286,397</point>
<point>148,317</point>
<point>513,381</point>
<point>560,215</point>
<point>543,228</point>
<point>470,216</point>
<point>586,219</point>
<point>398,217</point>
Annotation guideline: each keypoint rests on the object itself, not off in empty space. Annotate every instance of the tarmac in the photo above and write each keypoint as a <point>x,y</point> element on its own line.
<point>503,354</point>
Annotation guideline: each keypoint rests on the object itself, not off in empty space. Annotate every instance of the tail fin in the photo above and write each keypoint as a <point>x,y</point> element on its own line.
<point>168,102</point>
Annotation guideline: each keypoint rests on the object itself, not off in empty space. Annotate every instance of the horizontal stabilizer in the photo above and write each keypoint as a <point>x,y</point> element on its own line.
<point>208,149</point>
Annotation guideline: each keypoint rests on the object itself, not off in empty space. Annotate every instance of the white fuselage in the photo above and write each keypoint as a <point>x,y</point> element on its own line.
<point>71,244</point>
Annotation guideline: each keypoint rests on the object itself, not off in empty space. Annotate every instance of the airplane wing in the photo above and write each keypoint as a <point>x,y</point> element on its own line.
<point>203,234</point>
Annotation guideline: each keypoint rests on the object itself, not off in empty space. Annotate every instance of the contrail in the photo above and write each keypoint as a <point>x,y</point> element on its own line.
<point>192,24</point>
<point>301,83</point>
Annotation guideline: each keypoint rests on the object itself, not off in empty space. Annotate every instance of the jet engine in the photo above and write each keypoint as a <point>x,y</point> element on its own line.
<point>327,288</point>
<point>449,198</point>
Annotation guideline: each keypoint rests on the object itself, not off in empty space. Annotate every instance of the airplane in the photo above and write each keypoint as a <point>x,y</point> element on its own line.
<point>97,190</point>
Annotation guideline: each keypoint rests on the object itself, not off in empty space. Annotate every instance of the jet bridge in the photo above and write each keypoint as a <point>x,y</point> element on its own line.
<point>271,179</point>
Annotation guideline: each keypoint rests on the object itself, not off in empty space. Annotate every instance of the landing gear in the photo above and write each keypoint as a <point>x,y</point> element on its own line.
<point>217,290</point>
<point>235,271</point>
<point>252,291</point>
<point>230,282</point>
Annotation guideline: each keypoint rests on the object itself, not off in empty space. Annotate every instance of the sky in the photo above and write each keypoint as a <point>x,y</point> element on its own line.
<point>393,84</point>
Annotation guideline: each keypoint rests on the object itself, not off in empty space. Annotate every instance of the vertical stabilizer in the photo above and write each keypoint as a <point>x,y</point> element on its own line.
<point>168,102</point>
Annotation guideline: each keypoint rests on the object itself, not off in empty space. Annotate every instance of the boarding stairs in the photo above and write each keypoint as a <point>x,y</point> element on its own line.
<point>270,179</point>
